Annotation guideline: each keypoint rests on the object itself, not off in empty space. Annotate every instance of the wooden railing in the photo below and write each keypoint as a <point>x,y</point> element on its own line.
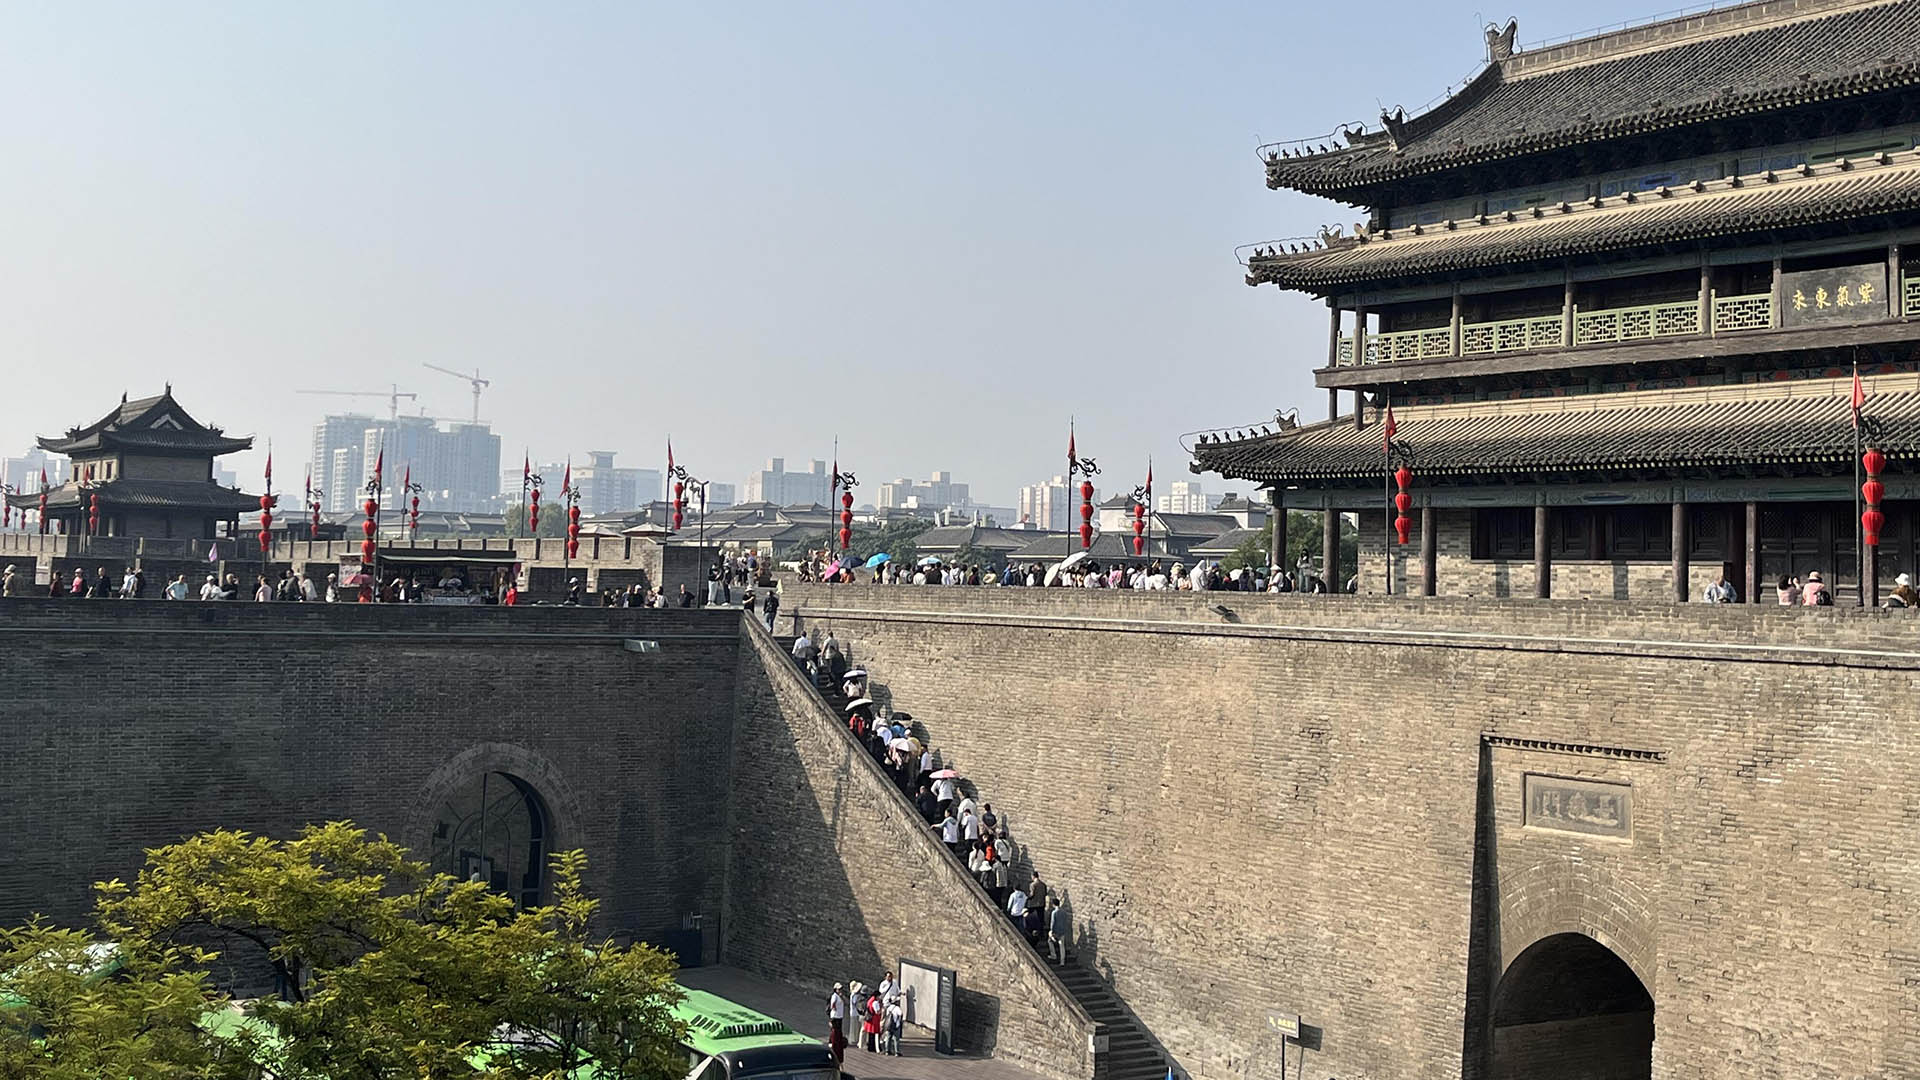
<point>1512,335</point>
<point>1635,323</point>
<point>1732,314</point>
<point>1910,295</point>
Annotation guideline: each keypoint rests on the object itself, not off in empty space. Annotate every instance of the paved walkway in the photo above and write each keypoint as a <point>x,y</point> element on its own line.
<point>806,1013</point>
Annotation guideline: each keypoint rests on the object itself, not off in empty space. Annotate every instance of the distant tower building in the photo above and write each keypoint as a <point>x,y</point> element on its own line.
<point>776,485</point>
<point>1183,497</point>
<point>1051,505</point>
<point>458,468</point>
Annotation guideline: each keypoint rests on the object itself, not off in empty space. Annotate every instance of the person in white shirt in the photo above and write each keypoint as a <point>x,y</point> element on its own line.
<point>943,793</point>
<point>211,590</point>
<point>1017,903</point>
<point>837,1012</point>
<point>308,591</point>
<point>128,584</point>
<point>969,826</point>
<point>950,832</point>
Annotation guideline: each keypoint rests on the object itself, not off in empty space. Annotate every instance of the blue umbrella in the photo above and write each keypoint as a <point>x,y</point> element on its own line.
<point>879,559</point>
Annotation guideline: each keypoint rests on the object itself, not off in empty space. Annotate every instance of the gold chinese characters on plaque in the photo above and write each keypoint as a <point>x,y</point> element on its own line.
<point>1840,294</point>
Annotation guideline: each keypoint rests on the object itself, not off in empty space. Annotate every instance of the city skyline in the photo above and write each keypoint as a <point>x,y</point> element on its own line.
<point>263,191</point>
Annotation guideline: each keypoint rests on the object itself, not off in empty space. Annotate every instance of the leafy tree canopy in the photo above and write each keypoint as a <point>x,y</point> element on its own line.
<point>385,970</point>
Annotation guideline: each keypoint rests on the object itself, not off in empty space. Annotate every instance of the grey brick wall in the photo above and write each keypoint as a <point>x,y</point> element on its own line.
<point>1278,808</point>
<point>131,724</point>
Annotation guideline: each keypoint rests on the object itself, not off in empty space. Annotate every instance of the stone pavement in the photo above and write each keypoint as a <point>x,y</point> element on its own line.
<point>806,1013</point>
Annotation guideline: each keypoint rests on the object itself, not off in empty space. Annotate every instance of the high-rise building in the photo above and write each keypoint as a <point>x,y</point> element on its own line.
<point>776,485</point>
<point>938,492</point>
<point>1183,497</point>
<point>457,468</point>
<point>1051,505</point>
<point>719,495</point>
<point>22,474</point>
<point>605,488</point>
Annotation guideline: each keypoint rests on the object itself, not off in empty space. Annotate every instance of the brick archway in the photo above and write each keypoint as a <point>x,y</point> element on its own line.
<point>1568,896</point>
<point>566,828</point>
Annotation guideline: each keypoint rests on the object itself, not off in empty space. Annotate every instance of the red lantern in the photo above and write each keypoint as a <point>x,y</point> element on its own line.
<point>533,512</point>
<point>316,517</point>
<point>366,552</point>
<point>266,522</point>
<point>1872,491</point>
<point>846,500</point>
<point>1403,502</point>
<point>1086,491</point>
<point>846,538</point>
<point>93,515</point>
<point>1086,535</point>
<point>43,511</point>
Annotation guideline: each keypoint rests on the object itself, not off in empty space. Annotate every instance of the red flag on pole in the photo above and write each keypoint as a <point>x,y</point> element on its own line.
<point>379,465</point>
<point>1859,396</point>
<point>1149,480</point>
<point>269,470</point>
<point>526,469</point>
<point>669,458</point>
<point>566,479</point>
<point>1071,456</point>
<point>406,481</point>
<point>1388,428</point>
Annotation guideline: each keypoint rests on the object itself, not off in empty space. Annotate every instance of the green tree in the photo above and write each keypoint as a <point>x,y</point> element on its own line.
<point>553,519</point>
<point>895,538</point>
<point>73,1007</point>
<point>386,970</point>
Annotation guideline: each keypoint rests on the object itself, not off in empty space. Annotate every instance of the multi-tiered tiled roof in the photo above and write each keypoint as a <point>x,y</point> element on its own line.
<point>1757,57</point>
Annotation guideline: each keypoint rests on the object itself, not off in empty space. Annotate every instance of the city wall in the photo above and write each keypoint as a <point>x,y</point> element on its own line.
<point>131,724</point>
<point>834,876</point>
<point>1319,805</point>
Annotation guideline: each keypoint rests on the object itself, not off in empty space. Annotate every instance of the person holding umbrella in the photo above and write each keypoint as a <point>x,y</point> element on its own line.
<point>943,789</point>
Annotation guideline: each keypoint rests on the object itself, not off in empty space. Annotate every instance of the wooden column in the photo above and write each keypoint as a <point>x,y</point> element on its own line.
<point>1333,334</point>
<point>1779,295</point>
<point>1566,313</point>
<point>1453,340</point>
<point>1753,582</point>
<point>1896,290</point>
<point>1429,556</point>
<point>1679,552</point>
<point>1542,562</point>
<point>1359,359</point>
<point>1277,550</point>
<point>1706,296</point>
<point>1333,404</point>
<point>1330,549</point>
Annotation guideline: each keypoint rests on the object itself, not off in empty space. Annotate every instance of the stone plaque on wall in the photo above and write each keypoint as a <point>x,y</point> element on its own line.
<point>1592,807</point>
<point>1843,294</point>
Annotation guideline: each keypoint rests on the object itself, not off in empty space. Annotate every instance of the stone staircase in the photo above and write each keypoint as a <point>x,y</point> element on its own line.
<point>1130,1053</point>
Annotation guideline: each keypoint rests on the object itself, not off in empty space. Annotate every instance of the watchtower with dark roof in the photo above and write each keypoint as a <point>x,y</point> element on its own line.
<point>151,465</point>
<point>1613,290</point>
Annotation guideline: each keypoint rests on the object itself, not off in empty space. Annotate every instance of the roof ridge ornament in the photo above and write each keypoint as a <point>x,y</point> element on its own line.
<point>1500,41</point>
<point>1396,124</point>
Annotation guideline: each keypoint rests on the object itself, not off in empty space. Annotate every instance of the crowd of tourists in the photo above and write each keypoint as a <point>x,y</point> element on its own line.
<point>978,837</point>
<point>1203,575</point>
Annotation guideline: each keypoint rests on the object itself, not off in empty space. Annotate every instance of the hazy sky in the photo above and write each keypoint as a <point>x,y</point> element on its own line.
<point>935,229</point>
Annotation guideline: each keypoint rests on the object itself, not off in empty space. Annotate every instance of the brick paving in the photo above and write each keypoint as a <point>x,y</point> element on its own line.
<point>806,1013</point>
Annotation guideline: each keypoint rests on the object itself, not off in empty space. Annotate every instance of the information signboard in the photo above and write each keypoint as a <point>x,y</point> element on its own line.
<point>927,999</point>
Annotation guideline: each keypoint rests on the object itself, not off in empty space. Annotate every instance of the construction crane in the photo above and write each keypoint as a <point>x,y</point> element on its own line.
<point>393,397</point>
<point>479,383</point>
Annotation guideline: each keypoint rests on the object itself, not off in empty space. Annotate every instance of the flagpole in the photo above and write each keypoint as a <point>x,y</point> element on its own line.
<point>1859,528</point>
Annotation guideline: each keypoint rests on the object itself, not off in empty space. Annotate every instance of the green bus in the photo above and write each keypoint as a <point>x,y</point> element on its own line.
<point>726,1041</point>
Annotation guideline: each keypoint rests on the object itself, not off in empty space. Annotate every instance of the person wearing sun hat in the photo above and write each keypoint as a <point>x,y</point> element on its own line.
<point>1903,594</point>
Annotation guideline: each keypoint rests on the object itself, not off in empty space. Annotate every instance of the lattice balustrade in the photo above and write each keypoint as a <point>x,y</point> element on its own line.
<point>1344,358</point>
<point>1732,314</point>
<point>1410,345</point>
<point>1911,293</point>
<point>1511,335</point>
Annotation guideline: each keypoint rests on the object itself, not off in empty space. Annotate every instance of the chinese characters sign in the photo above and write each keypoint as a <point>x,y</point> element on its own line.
<point>1843,294</point>
<point>1579,806</point>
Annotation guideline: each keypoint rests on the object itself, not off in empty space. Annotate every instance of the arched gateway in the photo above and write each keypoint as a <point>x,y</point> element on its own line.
<point>1568,1007</point>
<point>497,811</point>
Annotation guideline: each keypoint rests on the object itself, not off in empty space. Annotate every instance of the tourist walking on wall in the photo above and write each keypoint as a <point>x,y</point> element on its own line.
<point>771,607</point>
<point>950,832</point>
<point>1059,929</point>
<point>9,582</point>
<point>870,1025</point>
<point>177,588</point>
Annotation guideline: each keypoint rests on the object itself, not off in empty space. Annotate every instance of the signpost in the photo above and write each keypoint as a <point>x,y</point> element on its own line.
<point>1285,1027</point>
